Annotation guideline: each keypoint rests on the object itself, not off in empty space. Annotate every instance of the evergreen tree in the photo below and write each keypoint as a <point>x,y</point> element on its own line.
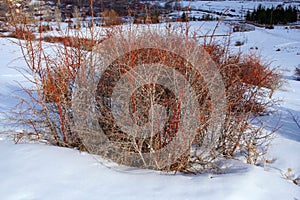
<point>183,17</point>
<point>273,15</point>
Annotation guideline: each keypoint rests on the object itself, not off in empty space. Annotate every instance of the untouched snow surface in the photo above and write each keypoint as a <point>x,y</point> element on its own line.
<point>37,171</point>
<point>45,172</point>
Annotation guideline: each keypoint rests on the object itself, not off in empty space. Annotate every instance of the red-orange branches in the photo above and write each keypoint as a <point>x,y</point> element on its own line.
<point>244,77</point>
<point>68,41</point>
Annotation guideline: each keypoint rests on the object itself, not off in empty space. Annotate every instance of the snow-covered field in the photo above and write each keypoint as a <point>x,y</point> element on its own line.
<point>237,6</point>
<point>233,8</point>
<point>38,171</point>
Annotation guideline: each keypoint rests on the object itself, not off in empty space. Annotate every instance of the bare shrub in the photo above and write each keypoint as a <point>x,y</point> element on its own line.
<point>249,84</point>
<point>77,98</point>
<point>71,41</point>
<point>111,18</point>
<point>51,68</point>
<point>45,28</point>
<point>22,33</point>
<point>136,54</point>
<point>49,102</point>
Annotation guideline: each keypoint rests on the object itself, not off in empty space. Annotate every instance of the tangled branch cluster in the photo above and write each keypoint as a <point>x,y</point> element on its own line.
<point>249,85</point>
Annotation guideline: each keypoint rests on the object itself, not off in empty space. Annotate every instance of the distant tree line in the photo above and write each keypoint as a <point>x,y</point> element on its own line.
<point>278,15</point>
<point>206,17</point>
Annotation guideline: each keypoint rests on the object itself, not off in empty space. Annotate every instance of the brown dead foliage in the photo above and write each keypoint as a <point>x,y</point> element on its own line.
<point>76,42</point>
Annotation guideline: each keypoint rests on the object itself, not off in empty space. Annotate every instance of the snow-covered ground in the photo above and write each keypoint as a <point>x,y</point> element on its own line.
<point>38,171</point>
